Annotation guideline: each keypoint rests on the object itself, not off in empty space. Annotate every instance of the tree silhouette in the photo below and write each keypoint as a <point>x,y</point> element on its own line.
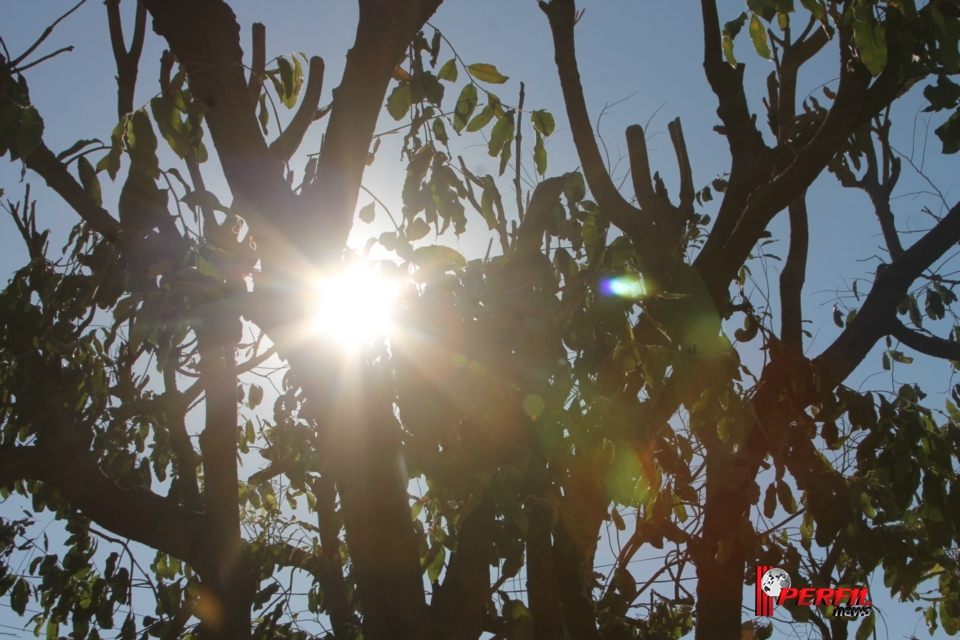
<point>582,372</point>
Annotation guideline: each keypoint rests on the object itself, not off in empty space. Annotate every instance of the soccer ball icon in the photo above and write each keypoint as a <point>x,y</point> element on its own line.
<point>773,581</point>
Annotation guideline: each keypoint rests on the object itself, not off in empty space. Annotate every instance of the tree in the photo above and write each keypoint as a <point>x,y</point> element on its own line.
<point>538,392</point>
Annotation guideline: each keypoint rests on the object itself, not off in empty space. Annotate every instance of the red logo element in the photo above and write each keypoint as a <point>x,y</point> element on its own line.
<point>765,603</point>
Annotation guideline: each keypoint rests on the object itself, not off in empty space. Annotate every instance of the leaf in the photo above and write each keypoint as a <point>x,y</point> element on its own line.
<point>758,34</point>
<point>770,502</point>
<point>205,200</point>
<point>815,7</point>
<point>466,104</point>
<point>730,31</point>
<point>865,630</point>
<point>436,566</point>
<point>785,495</point>
<point>449,71</point>
<point>418,229</point>
<point>171,126</point>
<point>399,101</point>
<point>291,80</point>
<point>502,134</point>
<point>77,146</point>
<point>19,596</point>
<point>575,188</point>
<point>438,256</point>
<point>439,130</point>
<point>617,519</point>
<point>543,122</point>
<point>89,180</point>
<point>255,397</point>
<point>487,200</point>
<point>480,120</point>
<point>837,317</point>
<point>368,213</point>
<point>872,42</point>
<point>540,155</point>
<point>486,73</point>
<point>898,356</point>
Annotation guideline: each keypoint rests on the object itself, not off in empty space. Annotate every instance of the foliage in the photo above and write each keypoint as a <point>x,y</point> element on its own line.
<point>581,374</point>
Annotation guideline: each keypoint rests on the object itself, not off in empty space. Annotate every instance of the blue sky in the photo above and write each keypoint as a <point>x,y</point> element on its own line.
<point>643,55</point>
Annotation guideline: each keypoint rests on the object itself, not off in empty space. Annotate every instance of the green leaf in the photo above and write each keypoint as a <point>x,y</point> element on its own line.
<point>291,81</point>
<point>399,101</point>
<point>439,130</point>
<point>575,188</point>
<point>872,42</point>
<point>487,200</point>
<point>540,155</point>
<point>436,566</point>
<point>480,120</point>
<point>486,73</point>
<point>171,126</point>
<point>449,71</point>
<point>466,104</point>
<point>898,356</point>
<point>730,31</point>
<point>758,34</point>
<point>418,229</point>
<point>543,121</point>
<point>865,630</point>
<point>837,317</point>
<point>368,213</point>
<point>815,7</point>
<point>502,134</point>
<point>89,180</point>
<point>19,596</point>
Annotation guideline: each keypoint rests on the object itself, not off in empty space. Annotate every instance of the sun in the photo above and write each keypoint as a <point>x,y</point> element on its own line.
<point>354,306</point>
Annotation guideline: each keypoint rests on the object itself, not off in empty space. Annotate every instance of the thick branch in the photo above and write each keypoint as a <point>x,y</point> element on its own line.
<point>128,62</point>
<point>258,60</point>
<point>927,345</point>
<point>718,265</point>
<point>137,514</point>
<point>45,163</point>
<point>727,83</point>
<point>877,316</point>
<point>793,275</point>
<point>562,16</point>
<point>384,31</point>
<point>289,141</point>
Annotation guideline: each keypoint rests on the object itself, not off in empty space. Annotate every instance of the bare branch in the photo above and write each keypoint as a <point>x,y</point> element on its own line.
<point>45,163</point>
<point>927,345</point>
<point>137,514</point>
<point>633,222</point>
<point>289,141</point>
<point>258,60</point>
<point>877,315</point>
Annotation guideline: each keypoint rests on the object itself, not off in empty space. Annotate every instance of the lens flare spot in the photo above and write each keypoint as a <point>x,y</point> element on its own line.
<point>624,287</point>
<point>354,306</point>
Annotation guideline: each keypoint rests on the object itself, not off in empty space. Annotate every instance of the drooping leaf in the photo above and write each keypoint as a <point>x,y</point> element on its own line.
<point>871,40</point>
<point>486,73</point>
<point>758,34</point>
<point>89,180</point>
<point>368,213</point>
<point>543,121</point>
<point>466,104</point>
<point>449,71</point>
<point>398,103</point>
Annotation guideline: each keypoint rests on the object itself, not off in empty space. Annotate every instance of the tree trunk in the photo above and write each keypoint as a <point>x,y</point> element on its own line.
<point>384,547</point>
<point>227,591</point>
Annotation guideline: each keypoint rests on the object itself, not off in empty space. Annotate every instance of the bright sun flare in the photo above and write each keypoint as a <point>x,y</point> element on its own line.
<point>354,306</point>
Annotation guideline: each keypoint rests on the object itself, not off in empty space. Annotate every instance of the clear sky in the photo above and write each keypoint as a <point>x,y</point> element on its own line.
<point>642,56</point>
